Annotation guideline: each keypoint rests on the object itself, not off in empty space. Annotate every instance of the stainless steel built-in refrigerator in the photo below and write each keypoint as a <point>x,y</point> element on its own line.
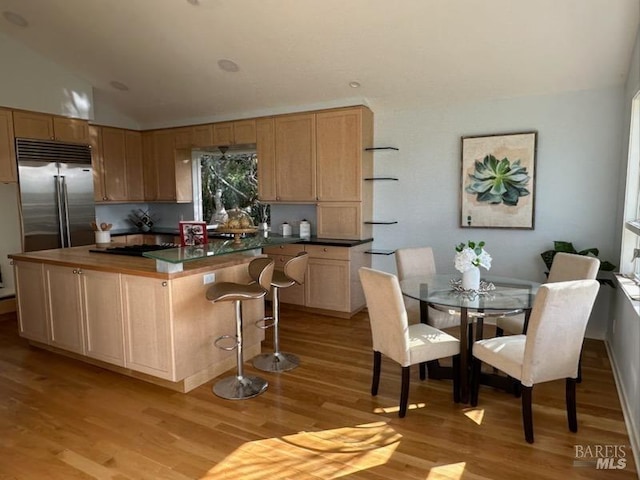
<point>56,190</point>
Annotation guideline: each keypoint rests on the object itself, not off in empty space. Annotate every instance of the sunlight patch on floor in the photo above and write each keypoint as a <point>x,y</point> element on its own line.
<point>475,414</point>
<point>452,471</point>
<point>331,453</point>
<point>396,408</point>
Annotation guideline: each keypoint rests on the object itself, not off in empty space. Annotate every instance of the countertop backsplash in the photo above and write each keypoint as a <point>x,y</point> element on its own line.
<point>167,215</point>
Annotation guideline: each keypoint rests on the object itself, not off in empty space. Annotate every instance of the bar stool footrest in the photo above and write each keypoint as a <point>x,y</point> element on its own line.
<point>266,322</point>
<point>276,362</point>
<point>240,388</point>
<point>222,338</point>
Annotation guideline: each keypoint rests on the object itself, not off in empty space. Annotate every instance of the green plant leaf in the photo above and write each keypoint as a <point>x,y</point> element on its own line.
<point>607,266</point>
<point>566,247</point>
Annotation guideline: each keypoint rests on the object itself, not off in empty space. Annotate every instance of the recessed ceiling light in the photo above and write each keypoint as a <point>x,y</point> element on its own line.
<point>16,19</point>
<point>228,65</point>
<point>354,84</point>
<point>118,85</point>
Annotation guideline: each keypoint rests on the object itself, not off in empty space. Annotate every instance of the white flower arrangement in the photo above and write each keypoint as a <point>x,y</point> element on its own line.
<point>471,255</point>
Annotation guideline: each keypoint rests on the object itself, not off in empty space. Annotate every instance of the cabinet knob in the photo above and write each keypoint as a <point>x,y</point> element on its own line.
<point>164,284</point>
<point>324,250</point>
<point>105,198</point>
<point>75,272</point>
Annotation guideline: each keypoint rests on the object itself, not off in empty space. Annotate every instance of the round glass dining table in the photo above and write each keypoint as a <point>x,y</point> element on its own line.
<point>497,296</point>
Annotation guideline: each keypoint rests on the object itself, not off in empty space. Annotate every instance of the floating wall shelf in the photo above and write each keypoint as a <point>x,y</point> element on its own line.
<point>370,149</point>
<point>380,252</point>
<point>371,179</point>
<point>389,222</point>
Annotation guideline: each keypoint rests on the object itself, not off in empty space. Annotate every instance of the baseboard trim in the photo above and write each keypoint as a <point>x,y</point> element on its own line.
<point>634,434</point>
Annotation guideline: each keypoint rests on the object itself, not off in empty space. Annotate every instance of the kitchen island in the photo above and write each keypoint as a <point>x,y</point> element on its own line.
<point>120,313</point>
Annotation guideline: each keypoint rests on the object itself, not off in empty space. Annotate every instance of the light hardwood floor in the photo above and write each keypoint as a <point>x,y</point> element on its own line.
<point>63,419</point>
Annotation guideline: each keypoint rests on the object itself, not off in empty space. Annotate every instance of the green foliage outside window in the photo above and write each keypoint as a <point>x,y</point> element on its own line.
<point>236,174</point>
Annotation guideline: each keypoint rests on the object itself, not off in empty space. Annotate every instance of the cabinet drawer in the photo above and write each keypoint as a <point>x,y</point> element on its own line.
<point>335,253</point>
<point>287,249</point>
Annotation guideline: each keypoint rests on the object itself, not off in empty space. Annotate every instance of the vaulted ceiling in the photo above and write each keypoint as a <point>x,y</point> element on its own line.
<point>306,52</point>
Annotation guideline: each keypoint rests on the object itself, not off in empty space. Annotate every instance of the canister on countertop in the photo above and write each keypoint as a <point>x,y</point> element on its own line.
<point>285,229</point>
<point>305,229</point>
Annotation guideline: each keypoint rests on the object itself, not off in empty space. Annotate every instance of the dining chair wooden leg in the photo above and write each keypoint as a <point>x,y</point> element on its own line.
<point>579,379</point>
<point>517,388</point>
<point>476,366</point>
<point>571,404</point>
<point>377,360</point>
<point>455,361</point>
<point>423,371</point>
<point>527,415</point>
<point>404,391</point>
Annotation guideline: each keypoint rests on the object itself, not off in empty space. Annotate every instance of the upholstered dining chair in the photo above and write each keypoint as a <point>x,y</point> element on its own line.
<point>565,267</point>
<point>415,262</point>
<point>549,351</point>
<point>395,338</point>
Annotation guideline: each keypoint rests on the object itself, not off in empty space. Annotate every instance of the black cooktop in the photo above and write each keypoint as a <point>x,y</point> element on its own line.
<point>133,250</point>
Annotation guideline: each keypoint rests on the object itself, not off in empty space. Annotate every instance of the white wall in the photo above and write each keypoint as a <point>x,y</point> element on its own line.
<point>578,164</point>
<point>31,82</point>
<point>623,335</point>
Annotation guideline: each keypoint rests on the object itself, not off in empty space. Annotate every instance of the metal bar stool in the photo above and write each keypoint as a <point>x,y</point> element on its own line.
<point>240,386</point>
<point>293,274</point>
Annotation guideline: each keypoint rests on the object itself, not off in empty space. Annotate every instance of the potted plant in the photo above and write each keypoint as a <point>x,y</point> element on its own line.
<point>567,247</point>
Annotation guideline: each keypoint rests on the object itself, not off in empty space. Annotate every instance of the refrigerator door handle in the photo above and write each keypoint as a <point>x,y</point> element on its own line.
<point>59,201</point>
<point>65,197</point>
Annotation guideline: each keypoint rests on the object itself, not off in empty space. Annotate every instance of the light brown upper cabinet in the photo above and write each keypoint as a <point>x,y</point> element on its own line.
<point>149,169</point>
<point>114,164</point>
<point>169,167</point>
<point>340,144</point>
<point>8,172</point>
<point>241,132</point>
<point>134,168</point>
<point>295,141</point>
<point>50,127</point>
<point>183,137</point>
<point>345,199</point>
<point>202,135</point>
<point>266,150</point>
<point>117,161</point>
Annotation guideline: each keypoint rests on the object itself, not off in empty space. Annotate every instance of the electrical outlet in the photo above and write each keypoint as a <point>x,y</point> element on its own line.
<point>208,278</point>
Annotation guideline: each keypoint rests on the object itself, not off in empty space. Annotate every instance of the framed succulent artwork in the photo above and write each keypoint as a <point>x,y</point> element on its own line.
<point>498,181</point>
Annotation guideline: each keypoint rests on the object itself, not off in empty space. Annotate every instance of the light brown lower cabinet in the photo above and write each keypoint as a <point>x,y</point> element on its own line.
<point>147,319</point>
<point>82,317</point>
<point>331,283</point>
<point>64,307</point>
<point>31,301</point>
<point>158,330</point>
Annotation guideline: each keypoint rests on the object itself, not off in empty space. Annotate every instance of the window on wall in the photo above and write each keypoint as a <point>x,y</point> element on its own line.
<point>630,249</point>
<point>227,179</point>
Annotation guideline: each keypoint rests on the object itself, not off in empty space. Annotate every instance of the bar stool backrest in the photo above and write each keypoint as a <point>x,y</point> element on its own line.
<point>296,267</point>
<point>261,269</point>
